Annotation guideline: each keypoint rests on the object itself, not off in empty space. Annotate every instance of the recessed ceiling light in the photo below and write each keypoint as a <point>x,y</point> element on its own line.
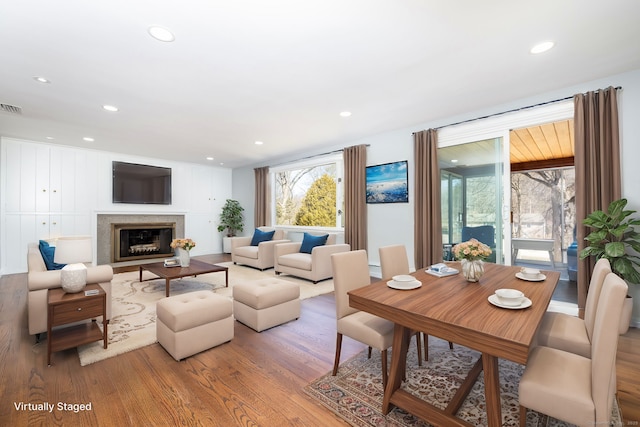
<point>88,139</point>
<point>209,158</point>
<point>110,108</point>
<point>454,160</point>
<point>41,79</point>
<point>258,142</point>
<point>542,47</point>
<point>161,33</point>
<point>49,137</point>
<point>345,114</point>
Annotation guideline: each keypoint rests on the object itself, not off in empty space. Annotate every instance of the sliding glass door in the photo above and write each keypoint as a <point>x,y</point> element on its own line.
<point>473,196</point>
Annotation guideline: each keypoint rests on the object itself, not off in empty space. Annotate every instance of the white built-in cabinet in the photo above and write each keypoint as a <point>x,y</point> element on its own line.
<point>211,188</point>
<point>49,191</point>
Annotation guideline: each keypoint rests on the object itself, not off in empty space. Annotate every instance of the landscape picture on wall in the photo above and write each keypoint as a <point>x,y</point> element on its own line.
<point>387,183</point>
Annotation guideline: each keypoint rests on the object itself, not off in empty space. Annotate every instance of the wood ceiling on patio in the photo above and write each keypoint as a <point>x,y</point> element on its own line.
<point>542,146</point>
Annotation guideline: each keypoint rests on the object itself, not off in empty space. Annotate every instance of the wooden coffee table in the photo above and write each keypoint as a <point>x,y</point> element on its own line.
<point>195,268</point>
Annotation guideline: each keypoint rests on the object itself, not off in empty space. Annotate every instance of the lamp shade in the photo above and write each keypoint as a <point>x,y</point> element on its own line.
<point>73,249</point>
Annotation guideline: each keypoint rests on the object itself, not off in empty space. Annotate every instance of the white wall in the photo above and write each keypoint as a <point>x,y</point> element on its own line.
<point>198,193</point>
<point>393,223</point>
<point>243,191</point>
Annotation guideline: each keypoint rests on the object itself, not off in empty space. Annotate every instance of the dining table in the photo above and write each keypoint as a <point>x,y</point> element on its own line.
<point>465,313</point>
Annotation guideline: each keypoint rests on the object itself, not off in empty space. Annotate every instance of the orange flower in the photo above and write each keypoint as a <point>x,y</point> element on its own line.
<point>471,250</point>
<point>187,244</point>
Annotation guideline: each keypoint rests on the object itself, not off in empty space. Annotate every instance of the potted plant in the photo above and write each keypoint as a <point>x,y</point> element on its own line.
<point>231,220</point>
<point>613,237</point>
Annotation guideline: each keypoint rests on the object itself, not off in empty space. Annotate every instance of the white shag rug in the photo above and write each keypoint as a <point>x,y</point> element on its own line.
<point>133,304</point>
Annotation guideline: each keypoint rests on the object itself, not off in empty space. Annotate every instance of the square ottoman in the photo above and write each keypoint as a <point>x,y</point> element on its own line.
<point>190,323</point>
<point>265,303</point>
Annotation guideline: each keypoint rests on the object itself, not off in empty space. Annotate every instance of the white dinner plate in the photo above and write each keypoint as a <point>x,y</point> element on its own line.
<point>539,278</point>
<point>404,278</point>
<point>415,284</point>
<point>493,299</point>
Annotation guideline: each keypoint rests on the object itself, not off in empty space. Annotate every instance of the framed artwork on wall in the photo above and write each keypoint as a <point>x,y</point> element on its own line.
<point>388,183</point>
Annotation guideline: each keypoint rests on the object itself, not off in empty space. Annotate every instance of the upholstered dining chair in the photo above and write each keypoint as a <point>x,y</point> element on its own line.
<point>571,387</point>
<point>351,271</point>
<point>570,333</point>
<point>394,261</point>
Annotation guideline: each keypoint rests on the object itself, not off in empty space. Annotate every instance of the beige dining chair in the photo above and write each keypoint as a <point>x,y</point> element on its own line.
<point>571,387</point>
<point>394,261</point>
<point>570,333</point>
<point>351,271</point>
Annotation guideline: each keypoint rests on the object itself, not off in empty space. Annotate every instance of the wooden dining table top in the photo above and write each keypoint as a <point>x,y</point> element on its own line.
<point>459,311</point>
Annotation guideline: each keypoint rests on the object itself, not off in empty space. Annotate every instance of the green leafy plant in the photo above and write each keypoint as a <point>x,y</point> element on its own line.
<point>614,234</point>
<point>231,218</point>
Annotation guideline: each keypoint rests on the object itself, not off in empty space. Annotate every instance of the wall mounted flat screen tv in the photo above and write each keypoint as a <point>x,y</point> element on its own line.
<point>141,184</point>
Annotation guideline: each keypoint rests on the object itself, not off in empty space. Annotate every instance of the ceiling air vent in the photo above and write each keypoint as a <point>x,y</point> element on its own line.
<point>10,109</point>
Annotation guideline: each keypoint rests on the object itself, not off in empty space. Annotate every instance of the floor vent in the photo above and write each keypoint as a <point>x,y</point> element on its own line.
<point>10,109</point>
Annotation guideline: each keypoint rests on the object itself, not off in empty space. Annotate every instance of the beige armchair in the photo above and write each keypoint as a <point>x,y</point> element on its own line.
<point>315,266</point>
<point>40,280</point>
<point>260,256</point>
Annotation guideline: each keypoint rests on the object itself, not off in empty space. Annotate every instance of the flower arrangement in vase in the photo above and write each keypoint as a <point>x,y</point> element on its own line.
<point>472,254</point>
<point>182,248</point>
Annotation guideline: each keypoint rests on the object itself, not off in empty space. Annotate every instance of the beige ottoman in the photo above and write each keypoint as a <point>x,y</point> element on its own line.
<point>266,303</point>
<point>190,323</point>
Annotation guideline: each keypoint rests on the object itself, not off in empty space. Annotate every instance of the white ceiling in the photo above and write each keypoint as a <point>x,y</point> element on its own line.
<point>281,71</point>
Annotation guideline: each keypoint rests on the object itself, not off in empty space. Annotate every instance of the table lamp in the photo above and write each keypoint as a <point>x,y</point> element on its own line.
<point>73,251</point>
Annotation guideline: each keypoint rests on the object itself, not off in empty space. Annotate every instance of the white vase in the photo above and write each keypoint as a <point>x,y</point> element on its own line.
<point>183,256</point>
<point>472,270</point>
<point>226,245</point>
<point>73,278</point>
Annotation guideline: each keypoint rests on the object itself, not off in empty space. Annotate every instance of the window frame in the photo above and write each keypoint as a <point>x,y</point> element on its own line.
<point>332,158</point>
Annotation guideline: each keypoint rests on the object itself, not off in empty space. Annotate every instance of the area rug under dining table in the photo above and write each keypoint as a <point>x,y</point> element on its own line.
<point>133,304</point>
<point>355,393</point>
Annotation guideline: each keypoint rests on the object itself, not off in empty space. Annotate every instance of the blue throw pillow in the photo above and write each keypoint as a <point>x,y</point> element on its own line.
<point>48,253</point>
<point>261,236</point>
<point>309,241</point>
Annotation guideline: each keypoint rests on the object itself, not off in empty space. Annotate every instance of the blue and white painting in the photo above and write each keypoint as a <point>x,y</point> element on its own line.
<point>387,183</point>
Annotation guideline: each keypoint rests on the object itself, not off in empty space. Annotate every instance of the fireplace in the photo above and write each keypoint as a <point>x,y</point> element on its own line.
<point>142,241</point>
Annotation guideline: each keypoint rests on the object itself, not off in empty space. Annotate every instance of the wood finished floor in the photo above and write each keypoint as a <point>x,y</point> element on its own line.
<point>255,380</point>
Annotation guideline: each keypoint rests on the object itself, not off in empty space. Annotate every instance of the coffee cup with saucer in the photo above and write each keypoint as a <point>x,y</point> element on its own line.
<point>510,297</point>
<point>530,273</point>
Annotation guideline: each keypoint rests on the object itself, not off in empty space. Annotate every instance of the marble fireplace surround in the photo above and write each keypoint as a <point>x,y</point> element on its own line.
<point>104,221</point>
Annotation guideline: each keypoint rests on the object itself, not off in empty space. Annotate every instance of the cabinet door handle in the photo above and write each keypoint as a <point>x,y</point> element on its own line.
<point>44,190</point>
<point>79,308</point>
<point>44,223</point>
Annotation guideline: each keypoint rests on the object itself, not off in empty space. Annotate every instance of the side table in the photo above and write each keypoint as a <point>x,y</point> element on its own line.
<point>64,308</point>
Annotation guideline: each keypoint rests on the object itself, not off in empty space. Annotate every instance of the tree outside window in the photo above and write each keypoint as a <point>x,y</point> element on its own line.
<point>543,206</point>
<point>308,196</point>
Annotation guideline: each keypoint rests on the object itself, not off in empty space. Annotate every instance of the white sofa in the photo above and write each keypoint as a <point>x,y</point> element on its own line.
<point>315,266</point>
<point>261,256</point>
<point>40,280</point>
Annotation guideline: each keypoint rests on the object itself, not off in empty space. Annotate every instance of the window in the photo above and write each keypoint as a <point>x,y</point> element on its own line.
<point>543,206</point>
<point>309,193</point>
